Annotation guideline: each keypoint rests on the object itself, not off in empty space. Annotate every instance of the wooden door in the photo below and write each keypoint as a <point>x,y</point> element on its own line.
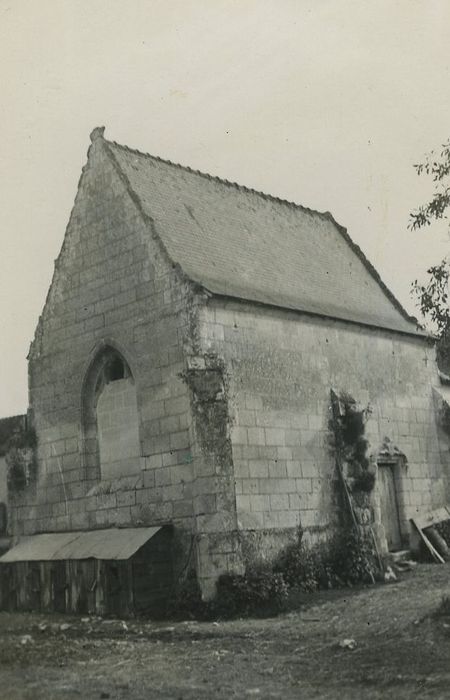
<point>118,588</point>
<point>389,508</point>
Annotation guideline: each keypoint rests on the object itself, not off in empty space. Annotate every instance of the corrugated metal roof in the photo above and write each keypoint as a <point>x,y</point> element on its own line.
<point>38,547</point>
<point>244,244</point>
<point>113,543</point>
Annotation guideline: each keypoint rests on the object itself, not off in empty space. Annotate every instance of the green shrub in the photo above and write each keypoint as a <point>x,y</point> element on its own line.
<point>346,559</point>
<point>364,481</point>
<point>306,569</point>
<point>259,590</point>
<point>353,559</point>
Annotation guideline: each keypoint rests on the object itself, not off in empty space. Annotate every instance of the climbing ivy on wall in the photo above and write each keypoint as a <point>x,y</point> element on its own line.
<point>348,425</point>
<point>20,459</point>
<point>357,479</point>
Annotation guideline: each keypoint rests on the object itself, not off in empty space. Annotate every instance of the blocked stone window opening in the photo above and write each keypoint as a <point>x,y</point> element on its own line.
<point>111,419</point>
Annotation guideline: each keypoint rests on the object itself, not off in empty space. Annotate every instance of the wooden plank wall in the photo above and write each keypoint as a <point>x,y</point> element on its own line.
<point>141,584</point>
<point>152,574</point>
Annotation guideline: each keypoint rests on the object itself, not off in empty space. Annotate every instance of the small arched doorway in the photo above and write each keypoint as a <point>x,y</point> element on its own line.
<point>110,417</point>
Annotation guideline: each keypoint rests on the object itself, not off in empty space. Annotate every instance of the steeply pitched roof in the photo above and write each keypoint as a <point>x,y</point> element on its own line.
<point>240,243</point>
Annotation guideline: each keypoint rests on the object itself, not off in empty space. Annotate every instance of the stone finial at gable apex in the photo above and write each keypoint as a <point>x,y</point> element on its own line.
<point>97,133</point>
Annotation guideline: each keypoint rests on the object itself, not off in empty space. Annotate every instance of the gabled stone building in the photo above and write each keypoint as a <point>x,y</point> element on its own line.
<point>181,371</point>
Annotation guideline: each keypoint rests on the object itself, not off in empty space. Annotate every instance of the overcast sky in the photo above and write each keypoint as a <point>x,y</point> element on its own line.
<point>324,102</point>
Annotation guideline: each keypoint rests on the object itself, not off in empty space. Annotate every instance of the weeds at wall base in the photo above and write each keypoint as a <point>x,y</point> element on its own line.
<point>268,589</point>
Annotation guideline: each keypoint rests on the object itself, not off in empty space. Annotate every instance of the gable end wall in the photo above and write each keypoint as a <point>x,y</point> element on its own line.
<point>112,285</point>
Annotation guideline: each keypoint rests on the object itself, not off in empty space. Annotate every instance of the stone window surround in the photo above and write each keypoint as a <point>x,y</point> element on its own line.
<point>399,463</point>
<point>95,378</point>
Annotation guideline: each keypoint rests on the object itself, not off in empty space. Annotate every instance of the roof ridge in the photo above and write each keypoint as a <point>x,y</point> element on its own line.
<point>326,215</point>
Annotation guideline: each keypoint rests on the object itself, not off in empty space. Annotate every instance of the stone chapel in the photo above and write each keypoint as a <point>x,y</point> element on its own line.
<point>179,389</point>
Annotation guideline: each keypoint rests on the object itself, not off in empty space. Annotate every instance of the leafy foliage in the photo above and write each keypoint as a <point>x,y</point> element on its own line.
<point>364,480</point>
<point>21,459</point>
<point>349,429</point>
<point>438,167</point>
<point>307,569</point>
<point>17,473</point>
<point>21,470</point>
<point>259,590</point>
<point>432,297</point>
<point>347,559</point>
<point>354,559</point>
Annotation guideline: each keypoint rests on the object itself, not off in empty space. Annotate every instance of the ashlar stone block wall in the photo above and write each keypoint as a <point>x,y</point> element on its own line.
<point>281,367</point>
<point>113,287</point>
<point>115,291</point>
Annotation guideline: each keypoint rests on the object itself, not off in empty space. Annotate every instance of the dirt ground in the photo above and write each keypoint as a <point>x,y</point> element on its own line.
<point>401,651</point>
